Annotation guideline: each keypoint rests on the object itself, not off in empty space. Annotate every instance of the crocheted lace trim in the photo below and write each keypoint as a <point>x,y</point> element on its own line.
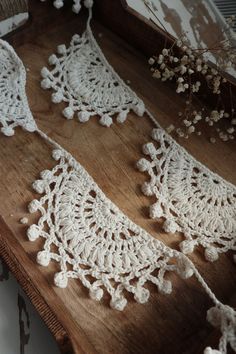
<point>83,79</point>
<point>89,237</point>
<point>94,239</point>
<point>192,199</point>
<point>14,109</point>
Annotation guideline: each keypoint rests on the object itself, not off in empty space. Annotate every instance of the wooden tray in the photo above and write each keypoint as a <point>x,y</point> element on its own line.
<point>79,324</point>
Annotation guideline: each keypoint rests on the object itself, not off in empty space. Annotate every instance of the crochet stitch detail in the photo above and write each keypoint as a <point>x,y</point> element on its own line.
<point>14,109</point>
<point>95,240</point>
<point>192,199</point>
<point>83,79</point>
<point>224,318</point>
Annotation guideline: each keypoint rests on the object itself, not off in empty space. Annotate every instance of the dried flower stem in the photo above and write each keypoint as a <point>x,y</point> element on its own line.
<point>188,68</point>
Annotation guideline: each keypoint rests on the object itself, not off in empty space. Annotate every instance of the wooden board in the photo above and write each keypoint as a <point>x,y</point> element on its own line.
<point>79,324</point>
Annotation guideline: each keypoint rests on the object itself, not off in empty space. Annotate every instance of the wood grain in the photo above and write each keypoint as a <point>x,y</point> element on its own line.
<point>109,155</point>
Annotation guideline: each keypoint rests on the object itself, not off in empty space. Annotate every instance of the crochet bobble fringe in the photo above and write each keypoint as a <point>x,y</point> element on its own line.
<point>117,260</point>
<point>76,6</point>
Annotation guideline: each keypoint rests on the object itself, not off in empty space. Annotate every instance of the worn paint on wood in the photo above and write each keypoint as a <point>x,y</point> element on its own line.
<point>13,14</point>
<point>9,8</point>
<point>199,19</point>
<point>12,23</point>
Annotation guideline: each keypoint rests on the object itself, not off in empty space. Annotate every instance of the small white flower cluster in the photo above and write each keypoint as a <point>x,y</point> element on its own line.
<point>185,69</point>
<point>189,70</point>
<point>191,118</point>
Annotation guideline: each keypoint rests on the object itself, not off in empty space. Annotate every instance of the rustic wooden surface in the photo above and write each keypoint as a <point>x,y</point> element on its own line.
<point>166,322</point>
<point>10,8</point>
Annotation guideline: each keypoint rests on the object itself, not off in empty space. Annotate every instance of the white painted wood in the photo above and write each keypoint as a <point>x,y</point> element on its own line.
<point>40,340</point>
<point>12,23</point>
<point>184,17</point>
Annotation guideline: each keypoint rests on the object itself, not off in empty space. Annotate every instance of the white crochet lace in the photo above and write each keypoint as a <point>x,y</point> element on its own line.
<point>83,79</point>
<point>94,239</point>
<point>14,109</point>
<point>89,237</point>
<point>191,198</point>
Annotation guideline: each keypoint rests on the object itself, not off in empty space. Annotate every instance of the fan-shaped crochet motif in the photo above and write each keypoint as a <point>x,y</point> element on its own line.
<point>191,198</point>
<point>83,79</point>
<point>95,240</point>
<point>14,109</point>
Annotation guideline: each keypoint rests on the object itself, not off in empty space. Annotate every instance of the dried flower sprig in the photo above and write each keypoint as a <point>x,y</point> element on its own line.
<point>188,68</point>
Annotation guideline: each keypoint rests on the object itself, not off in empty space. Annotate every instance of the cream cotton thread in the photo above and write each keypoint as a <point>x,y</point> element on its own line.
<point>14,109</point>
<point>220,315</point>
<point>148,255</point>
<point>90,231</point>
<point>217,234</point>
<point>84,79</point>
<point>191,198</point>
